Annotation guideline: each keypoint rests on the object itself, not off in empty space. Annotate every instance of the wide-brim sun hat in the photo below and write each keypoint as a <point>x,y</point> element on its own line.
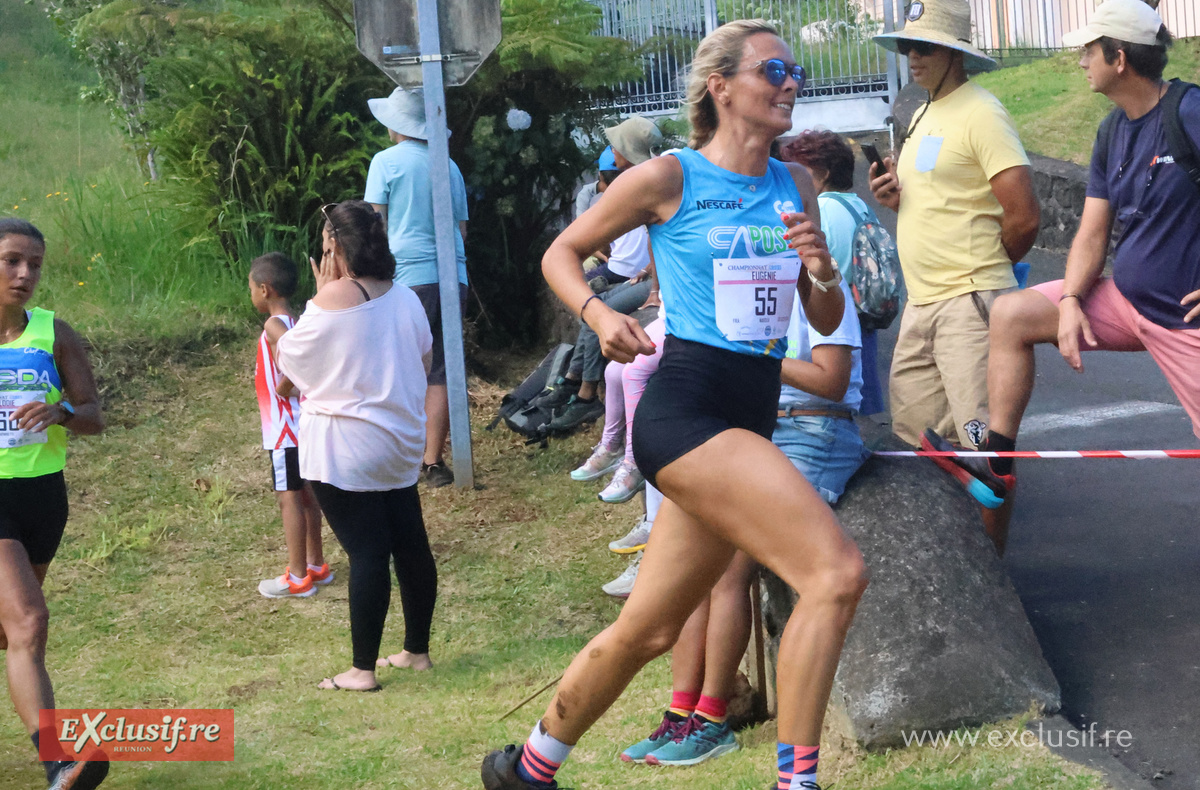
<point>946,23</point>
<point>1124,20</point>
<point>403,112</point>
<point>635,138</point>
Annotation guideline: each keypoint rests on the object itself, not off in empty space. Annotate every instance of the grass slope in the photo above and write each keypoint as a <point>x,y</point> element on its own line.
<point>153,603</point>
<point>153,599</point>
<point>121,258</point>
<point>1055,111</point>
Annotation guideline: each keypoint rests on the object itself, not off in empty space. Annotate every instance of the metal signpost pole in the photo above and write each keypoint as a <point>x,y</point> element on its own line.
<point>893,71</point>
<point>445,227</point>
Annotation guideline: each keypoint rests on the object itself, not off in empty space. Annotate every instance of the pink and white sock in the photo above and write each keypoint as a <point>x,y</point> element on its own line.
<point>542,756</point>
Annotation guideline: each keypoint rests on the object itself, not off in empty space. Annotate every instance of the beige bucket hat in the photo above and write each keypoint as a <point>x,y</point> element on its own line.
<point>946,23</point>
<point>635,138</point>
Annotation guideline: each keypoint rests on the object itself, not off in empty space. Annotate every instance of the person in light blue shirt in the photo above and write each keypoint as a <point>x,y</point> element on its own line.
<point>400,190</point>
<point>831,161</point>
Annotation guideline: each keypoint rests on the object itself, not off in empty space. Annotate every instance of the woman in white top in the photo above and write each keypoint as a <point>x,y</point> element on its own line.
<point>360,353</point>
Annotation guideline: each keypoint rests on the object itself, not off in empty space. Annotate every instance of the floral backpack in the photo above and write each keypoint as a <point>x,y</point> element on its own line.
<point>873,272</point>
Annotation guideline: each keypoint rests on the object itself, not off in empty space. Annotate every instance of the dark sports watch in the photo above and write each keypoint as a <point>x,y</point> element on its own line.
<point>69,409</point>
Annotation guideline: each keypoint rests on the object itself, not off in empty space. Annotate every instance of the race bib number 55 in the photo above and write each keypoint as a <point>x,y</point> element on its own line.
<point>10,434</point>
<point>754,296</point>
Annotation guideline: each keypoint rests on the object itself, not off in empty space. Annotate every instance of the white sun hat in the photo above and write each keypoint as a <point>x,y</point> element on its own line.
<point>1125,20</point>
<point>946,23</point>
<point>403,112</point>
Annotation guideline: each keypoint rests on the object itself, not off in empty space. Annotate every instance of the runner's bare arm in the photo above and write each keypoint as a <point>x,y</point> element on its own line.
<point>822,308</point>
<point>275,330</point>
<point>1022,212</point>
<point>1085,262</point>
<point>79,389</point>
<point>827,376</point>
<point>644,195</point>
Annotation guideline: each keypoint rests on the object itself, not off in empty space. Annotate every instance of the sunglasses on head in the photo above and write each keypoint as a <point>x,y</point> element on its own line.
<point>325,209</point>
<point>777,72</point>
<point>922,48</point>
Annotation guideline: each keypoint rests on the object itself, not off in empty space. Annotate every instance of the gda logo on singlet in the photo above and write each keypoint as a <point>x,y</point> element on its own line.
<point>761,239</point>
<point>24,379</point>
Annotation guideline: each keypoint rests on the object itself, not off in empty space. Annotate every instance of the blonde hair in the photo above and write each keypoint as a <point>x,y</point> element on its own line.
<point>719,53</point>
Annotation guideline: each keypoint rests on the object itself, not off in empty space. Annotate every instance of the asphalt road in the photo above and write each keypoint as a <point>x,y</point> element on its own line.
<point>1105,554</point>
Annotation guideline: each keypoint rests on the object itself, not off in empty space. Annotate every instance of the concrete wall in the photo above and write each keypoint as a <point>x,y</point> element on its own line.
<point>1060,187</point>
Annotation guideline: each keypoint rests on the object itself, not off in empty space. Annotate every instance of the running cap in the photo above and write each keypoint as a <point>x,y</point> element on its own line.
<point>635,138</point>
<point>1123,20</point>
<point>403,112</point>
<point>606,161</point>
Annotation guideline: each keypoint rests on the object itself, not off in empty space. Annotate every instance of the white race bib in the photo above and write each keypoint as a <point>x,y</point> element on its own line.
<point>754,296</point>
<point>10,434</point>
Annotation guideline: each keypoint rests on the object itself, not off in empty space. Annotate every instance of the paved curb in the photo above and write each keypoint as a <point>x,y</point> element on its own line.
<point>1057,730</point>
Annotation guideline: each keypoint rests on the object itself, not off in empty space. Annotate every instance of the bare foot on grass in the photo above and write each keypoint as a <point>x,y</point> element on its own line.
<point>406,660</point>
<point>351,680</point>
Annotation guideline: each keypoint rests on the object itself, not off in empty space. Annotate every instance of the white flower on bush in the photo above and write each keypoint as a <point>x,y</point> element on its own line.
<point>518,119</point>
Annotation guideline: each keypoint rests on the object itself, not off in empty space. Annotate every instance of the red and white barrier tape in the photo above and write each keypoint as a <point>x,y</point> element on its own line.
<point>1139,455</point>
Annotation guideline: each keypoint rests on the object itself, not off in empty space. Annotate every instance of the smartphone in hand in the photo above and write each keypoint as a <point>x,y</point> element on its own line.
<point>873,157</point>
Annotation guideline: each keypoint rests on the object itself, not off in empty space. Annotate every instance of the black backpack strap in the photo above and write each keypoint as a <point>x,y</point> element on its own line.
<point>1178,143</point>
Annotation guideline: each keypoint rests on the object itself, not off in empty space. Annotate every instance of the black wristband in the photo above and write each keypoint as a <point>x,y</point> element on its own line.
<point>585,304</point>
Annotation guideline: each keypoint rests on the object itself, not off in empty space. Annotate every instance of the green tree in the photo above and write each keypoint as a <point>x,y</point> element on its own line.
<point>551,65</point>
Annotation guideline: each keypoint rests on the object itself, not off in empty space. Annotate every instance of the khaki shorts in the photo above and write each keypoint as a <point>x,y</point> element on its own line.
<point>939,369</point>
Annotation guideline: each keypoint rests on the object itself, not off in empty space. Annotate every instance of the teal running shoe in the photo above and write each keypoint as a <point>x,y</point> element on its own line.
<point>663,735</point>
<point>694,743</point>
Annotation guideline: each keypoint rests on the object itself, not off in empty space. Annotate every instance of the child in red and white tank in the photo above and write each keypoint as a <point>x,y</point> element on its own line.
<point>273,279</point>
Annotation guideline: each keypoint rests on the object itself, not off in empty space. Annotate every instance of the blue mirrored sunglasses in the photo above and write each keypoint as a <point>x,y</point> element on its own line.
<point>777,72</point>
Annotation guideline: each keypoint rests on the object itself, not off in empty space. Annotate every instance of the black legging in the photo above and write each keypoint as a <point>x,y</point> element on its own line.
<point>373,526</point>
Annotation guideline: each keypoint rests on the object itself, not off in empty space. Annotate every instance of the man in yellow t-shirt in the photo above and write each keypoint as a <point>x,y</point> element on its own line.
<point>967,212</point>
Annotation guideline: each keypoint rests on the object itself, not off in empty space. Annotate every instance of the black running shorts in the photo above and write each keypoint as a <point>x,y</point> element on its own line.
<point>697,392</point>
<point>33,512</point>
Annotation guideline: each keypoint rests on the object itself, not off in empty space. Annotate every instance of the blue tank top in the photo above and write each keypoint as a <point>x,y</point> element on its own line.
<point>722,262</point>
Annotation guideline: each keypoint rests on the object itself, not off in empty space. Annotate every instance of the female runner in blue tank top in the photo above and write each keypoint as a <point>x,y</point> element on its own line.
<point>728,265</point>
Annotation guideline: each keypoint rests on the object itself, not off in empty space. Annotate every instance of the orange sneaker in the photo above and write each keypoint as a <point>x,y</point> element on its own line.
<point>322,575</point>
<point>284,587</point>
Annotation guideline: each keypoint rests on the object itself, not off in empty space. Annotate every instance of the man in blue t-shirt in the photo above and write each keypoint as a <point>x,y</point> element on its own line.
<point>399,187</point>
<point>1152,301</point>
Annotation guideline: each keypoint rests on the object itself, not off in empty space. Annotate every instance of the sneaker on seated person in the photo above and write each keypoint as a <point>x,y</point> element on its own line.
<point>576,413</point>
<point>634,540</point>
<point>621,586</point>
<point>602,461</point>
<point>625,484</point>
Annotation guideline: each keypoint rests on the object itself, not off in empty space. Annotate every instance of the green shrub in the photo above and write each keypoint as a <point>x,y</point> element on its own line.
<point>522,181</point>
<point>259,126</point>
<point>256,114</point>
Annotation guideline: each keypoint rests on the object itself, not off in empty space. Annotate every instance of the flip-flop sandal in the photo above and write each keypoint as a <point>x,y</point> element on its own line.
<point>333,686</point>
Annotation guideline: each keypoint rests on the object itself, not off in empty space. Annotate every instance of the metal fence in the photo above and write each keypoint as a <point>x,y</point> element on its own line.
<point>830,38</point>
<point>1017,27</point>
